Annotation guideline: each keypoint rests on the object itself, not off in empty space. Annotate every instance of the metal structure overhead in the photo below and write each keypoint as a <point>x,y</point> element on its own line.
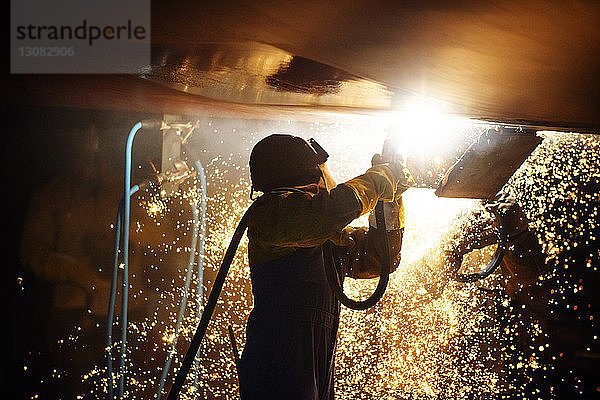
<point>532,62</point>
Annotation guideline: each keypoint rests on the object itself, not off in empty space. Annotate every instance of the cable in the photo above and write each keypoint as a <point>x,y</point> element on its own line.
<point>211,303</point>
<point>384,276</point>
<point>111,301</point>
<point>183,303</point>
<point>200,290</point>
<point>125,293</point>
<point>123,215</point>
<point>113,292</point>
<point>496,258</point>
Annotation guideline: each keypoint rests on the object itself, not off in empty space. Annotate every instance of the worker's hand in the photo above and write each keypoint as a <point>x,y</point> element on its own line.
<point>512,216</point>
<point>394,162</point>
<point>402,174</point>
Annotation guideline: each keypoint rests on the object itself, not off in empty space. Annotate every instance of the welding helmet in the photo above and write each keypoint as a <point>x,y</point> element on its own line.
<point>282,160</point>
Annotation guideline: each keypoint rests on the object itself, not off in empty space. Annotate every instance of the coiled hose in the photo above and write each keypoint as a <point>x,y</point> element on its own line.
<point>496,258</point>
<point>335,283</point>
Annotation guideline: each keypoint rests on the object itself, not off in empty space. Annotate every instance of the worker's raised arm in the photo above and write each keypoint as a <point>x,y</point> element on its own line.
<point>383,182</point>
<point>309,216</point>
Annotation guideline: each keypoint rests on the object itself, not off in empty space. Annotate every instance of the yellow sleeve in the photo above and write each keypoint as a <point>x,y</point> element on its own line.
<point>300,219</point>
<point>380,182</point>
<point>280,223</point>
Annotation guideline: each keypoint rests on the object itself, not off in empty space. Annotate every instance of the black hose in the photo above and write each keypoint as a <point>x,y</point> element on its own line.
<point>334,280</point>
<point>496,258</point>
<point>211,303</point>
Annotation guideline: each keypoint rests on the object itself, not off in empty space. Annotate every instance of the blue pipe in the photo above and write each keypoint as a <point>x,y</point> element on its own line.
<point>200,289</point>
<point>126,216</point>
<point>199,224</point>
<point>113,293</point>
<point>123,217</point>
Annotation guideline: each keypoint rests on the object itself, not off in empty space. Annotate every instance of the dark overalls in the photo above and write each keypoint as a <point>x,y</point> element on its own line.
<point>291,331</point>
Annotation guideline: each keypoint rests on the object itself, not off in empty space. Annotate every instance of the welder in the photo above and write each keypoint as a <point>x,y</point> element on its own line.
<point>66,236</point>
<point>291,331</point>
<point>66,240</point>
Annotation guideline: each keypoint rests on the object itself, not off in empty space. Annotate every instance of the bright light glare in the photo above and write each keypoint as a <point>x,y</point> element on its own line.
<point>423,130</point>
<point>428,218</point>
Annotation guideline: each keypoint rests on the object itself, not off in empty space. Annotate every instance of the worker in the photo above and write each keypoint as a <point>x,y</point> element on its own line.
<point>523,262</point>
<point>568,336</point>
<point>291,331</point>
<point>67,236</point>
<point>66,248</point>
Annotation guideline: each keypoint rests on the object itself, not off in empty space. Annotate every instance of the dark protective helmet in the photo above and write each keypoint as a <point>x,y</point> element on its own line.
<point>282,160</point>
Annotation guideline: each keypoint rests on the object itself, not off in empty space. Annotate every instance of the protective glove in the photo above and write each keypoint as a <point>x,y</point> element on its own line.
<point>393,211</point>
<point>404,179</point>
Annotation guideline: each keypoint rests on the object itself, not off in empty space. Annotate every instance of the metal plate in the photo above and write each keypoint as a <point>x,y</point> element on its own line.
<point>488,164</point>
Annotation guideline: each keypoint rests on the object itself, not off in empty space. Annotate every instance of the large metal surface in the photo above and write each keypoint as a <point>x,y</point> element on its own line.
<point>256,73</point>
<point>530,61</point>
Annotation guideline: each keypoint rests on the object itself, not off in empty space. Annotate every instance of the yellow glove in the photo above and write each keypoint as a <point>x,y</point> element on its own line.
<point>402,175</point>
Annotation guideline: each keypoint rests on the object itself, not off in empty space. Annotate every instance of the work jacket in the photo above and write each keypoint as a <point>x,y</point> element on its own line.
<point>291,331</point>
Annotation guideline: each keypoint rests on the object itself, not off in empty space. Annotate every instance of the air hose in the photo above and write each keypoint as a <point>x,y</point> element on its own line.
<point>122,224</point>
<point>336,284</point>
<point>113,294</point>
<point>496,258</point>
<point>122,217</point>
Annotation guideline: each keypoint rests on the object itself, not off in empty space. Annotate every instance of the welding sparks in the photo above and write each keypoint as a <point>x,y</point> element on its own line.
<point>458,341</point>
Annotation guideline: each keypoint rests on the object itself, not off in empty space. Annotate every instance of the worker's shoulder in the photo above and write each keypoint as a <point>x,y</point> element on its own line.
<point>278,199</point>
<point>277,204</point>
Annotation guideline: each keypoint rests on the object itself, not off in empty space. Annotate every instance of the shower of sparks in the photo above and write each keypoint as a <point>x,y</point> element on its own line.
<point>459,341</point>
